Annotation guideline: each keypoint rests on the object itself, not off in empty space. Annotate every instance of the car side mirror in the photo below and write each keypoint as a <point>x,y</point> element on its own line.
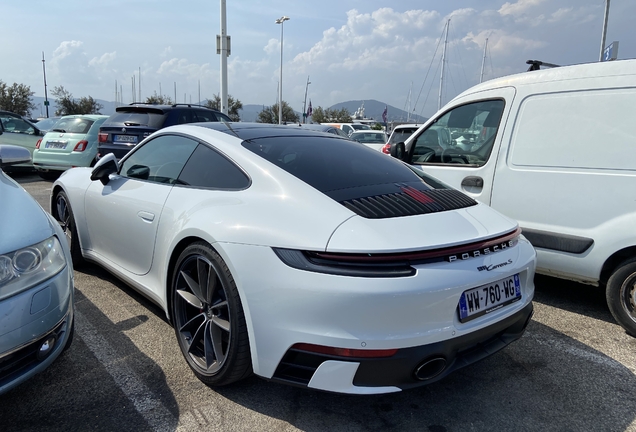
<point>12,155</point>
<point>104,168</point>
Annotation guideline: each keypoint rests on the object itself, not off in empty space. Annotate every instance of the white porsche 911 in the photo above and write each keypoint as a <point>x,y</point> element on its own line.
<point>302,257</point>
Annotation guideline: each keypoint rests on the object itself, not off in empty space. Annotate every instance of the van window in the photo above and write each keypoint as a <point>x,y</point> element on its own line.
<point>583,129</point>
<point>464,135</point>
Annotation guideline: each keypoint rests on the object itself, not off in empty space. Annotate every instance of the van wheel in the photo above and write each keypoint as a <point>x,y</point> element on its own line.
<point>621,295</point>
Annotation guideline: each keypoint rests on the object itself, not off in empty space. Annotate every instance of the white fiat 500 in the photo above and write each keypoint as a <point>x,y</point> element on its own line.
<point>302,257</point>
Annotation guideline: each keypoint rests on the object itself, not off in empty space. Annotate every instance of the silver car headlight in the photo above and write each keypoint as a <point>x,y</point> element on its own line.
<point>29,266</point>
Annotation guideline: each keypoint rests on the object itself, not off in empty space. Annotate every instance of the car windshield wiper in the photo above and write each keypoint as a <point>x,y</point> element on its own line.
<point>59,130</point>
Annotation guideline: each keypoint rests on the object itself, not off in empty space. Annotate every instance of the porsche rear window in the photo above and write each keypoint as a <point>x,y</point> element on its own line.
<point>334,165</point>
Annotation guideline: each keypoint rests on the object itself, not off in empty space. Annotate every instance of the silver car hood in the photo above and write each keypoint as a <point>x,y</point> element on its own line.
<point>22,221</point>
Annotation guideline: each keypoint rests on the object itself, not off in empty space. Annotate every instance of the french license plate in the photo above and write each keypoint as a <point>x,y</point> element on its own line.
<point>55,144</point>
<point>125,138</point>
<point>488,298</point>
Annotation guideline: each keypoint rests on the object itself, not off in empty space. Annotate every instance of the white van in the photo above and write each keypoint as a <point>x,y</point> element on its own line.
<point>556,150</point>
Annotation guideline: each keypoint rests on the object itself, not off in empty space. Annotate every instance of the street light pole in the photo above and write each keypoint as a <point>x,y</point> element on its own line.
<point>46,98</point>
<point>281,21</point>
<point>305,102</point>
<point>604,33</point>
<point>223,48</point>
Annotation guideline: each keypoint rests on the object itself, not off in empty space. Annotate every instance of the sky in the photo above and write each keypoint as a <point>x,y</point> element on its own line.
<point>347,50</point>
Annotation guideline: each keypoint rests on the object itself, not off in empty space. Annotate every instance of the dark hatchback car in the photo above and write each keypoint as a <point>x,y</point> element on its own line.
<point>132,123</point>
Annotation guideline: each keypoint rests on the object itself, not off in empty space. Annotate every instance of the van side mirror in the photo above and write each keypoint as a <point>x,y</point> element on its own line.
<point>104,168</point>
<point>398,151</point>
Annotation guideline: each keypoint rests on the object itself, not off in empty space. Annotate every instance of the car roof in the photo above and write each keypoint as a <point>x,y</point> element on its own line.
<point>84,116</point>
<point>408,126</point>
<point>158,109</point>
<point>246,130</point>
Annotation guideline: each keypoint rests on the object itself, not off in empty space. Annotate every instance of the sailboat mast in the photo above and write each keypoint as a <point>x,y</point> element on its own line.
<point>441,77</point>
<point>483,61</point>
<point>408,114</point>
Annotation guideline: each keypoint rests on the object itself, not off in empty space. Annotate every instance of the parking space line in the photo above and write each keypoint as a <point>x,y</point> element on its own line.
<point>145,402</point>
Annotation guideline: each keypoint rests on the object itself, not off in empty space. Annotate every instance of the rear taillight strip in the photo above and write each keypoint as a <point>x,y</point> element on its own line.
<point>419,255</point>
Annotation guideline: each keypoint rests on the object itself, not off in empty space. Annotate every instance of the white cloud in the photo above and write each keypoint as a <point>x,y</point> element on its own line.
<point>519,8</point>
<point>166,52</point>
<point>66,49</point>
<point>183,68</point>
<point>104,60</point>
<point>381,39</point>
<point>273,45</point>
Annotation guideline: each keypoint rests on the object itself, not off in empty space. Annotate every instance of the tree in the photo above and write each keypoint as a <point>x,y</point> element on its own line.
<point>16,98</point>
<point>377,126</point>
<point>329,115</point>
<point>341,116</point>
<point>270,114</point>
<point>234,105</point>
<point>67,105</point>
<point>159,99</point>
<point>318,115</point>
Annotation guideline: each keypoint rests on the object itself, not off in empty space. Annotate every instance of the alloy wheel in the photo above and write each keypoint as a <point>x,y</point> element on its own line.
<point>202,314</point>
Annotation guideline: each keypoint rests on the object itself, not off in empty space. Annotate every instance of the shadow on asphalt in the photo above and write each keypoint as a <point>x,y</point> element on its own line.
<point>77,392</point>
<point>574,297</point>
<point>545,381</point>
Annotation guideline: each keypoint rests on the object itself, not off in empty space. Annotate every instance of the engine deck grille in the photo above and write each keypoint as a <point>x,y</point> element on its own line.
<point>408,203</point>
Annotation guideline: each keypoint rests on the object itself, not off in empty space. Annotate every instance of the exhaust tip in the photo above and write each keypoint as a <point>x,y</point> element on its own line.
<point>430,368</point>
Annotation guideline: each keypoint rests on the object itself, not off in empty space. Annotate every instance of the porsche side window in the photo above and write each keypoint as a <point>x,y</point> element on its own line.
<point>159,160</point>
<point>209,169</point>
<point>464,135</point>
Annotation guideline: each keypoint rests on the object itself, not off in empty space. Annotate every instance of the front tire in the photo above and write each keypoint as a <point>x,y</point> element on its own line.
<point>208,317</point>
<point>66,219</point>
<point>621,295</point>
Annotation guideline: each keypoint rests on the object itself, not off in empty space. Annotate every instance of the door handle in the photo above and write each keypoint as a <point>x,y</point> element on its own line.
<point>146,216</point>
<point>473,181</point>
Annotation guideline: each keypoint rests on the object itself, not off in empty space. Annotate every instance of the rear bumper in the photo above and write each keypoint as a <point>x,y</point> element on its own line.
<point>399,372</point>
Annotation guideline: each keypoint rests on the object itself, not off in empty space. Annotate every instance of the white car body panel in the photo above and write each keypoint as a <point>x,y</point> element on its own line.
<point>283,305</point>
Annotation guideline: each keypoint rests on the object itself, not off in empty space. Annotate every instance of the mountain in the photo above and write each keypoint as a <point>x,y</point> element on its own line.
<point>373,110</point>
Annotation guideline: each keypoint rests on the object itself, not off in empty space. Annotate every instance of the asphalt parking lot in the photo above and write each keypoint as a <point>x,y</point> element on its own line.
<point>573,370</point>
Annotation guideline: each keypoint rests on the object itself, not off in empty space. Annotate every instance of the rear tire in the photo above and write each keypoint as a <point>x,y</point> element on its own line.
<point>621,295</point>
<point>49,175</point>
<point>66,219</point>
<point>208,317</point>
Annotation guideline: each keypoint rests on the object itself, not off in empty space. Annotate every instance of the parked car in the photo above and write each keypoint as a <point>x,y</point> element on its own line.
<point>349,128</point>
<point>371,138</point>
<point>36,281</point>
<point>321,128</point>
<point>553,149</point>
<point>132,123</point>
<point>400,133</point>
<point>272,249</point>
<point>46,124</point>
<point>72,142</point>
<point>15,130</point>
